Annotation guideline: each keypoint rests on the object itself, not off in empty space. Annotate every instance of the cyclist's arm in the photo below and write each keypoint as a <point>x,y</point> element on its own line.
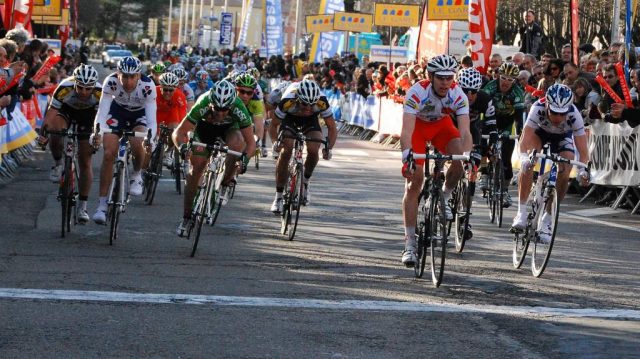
<point>249,140</point>
<point>332,130</point>
<point>408,124</point>
<point>103,111</point>
<point>489,123</point>
<point>465,132</point>
<point>181,134</point>
<point>582,147</point>
<point>150,108</point>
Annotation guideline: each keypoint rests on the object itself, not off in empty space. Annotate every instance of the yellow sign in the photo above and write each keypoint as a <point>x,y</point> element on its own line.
<point>63,19</point>
<point>447,10</point>
<point>354,22</point>
<point>53,9</point>
<point>397,15</point>
<point>319,23</point>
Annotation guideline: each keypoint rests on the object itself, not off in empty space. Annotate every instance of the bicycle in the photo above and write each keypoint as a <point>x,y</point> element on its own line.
<point>542,196</point>
<point>461,200</point>
<point>496,186</point>
<point>118,195</point>
<point>154,172</point>
<point>293,196</point>
<point>206,204</point>
<point>432,228</point>
<point>69,180</point>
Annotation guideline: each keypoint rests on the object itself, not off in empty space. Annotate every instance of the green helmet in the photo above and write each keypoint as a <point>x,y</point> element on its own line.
<point>158,68</point>
<point>168,63</point>
<point>509,69</point>
<point>246,80</point>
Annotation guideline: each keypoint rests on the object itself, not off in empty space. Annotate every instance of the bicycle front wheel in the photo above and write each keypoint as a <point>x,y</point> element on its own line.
<point>153,175</point>
<point>177,170</point>
<point>421,233</point>
<point>542,248</point>
<point>296,203</point>
<point>500,190</point>
<point>199,211</point>
<point>463,212</point>
<point>116,202</point>
<point>65,197</point>
<point>438,237</point>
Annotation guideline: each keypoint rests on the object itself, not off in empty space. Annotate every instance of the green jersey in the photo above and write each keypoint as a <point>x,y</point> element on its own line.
<point>237,117</point>
<point>508,105</point>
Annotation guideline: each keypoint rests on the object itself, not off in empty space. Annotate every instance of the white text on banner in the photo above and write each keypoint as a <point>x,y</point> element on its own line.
<point>447,10</point>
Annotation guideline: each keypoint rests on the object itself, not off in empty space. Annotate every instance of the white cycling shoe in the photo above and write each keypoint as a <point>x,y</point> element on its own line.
<point>520,222</point>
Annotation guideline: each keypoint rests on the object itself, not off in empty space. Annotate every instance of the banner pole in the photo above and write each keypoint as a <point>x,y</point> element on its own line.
<point>390,45</point>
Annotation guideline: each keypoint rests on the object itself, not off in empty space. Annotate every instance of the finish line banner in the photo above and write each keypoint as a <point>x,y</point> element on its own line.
<point>614,150</point>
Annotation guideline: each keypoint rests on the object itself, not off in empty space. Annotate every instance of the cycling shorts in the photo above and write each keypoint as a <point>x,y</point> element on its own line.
<point>558,142</point>
<point>209,134</point>
<point>121,119</point>
<point>83,119</point>
<point>306,124</point>
<point>439,133</point>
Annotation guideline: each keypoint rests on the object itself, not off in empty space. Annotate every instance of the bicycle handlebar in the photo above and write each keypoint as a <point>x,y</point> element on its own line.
<point>440,156</point>
<point>216,147</point>
<point>557,158</point>
<point>511,137</point>
<point>137,134</point>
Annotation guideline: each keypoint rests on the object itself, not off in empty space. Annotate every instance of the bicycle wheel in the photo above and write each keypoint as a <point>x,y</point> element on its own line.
<point>438,237</point>
<point>65,195</point>
<point>154,173</point>
<point>201,210</point>
<point>296,203</point>
<point>257,158</point>
<point>287,200</point>
<point>542,251</point>
<point>520,246</point>
<point>462,215</point>
<point>495,190</point>
<point>176,170</point>
<point>116,200</point>
<point>421,233</point>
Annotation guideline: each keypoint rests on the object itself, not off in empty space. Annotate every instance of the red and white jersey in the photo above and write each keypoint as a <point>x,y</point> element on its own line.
<point>423,102</point>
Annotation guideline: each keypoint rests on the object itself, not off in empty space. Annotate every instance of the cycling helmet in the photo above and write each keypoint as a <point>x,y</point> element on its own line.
<point>246,80</point>
<point>169,79</point>
<point>559,98</point>
<point>509,69</point>
<point>180,73</point>
<point>470,78</point>
<point>129,65</point>
<point>167,63</point>
<point>309,92</point>
<point>442,65</point>
<point>202,76</point>
<point>222,94</point>
<point>85,75</point>
<point>158,68</point>
<point>254,72</point>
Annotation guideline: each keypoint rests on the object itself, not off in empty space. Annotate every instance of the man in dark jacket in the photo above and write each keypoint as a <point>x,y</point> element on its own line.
<point>531,35</point>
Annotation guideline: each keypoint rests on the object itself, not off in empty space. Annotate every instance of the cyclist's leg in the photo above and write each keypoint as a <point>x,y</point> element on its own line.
<point>507,150</point>
<point>198,161</point>
<point>447,140</point>
<point>529,141</point>
<point>235,141</point>
<point>273,128</point>
<point>283,161</point>
<point>55,122</point>
<point>565,148</point>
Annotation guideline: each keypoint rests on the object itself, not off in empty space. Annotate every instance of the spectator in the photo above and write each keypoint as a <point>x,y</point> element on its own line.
<point>611,76</point>
<point>466,62</point>
<point>565,53</point>
<point>523,78</point>
<point>620,112</point>
<point>531,35</point>
<point>545,58</point>
<point>586,100</point>
<point>528,62</point>
<point>494,64</point>
<point>518,59</point>
<point>537,74</point>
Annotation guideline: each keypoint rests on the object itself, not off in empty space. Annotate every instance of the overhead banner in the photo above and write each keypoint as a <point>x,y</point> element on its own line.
<point>482,25</point>
<point>354,22</point>
<point>433,39</point>
<point>272,17</point>
<point>226,21</point>
<point>327,44</point>
<point>614,151</point>
<point>447,10</point>
<point>319,23</point>
<point>397,15</point>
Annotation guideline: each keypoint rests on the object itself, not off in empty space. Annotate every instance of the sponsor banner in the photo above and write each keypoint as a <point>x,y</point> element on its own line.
<point>382,53</point>
<point>354,22</point>
<point>434,37</point>
<point>319,23</point>
<point>335,100</point>
<point>447,10</point>
<point>327,44</point>
<point>242,39</point>
<point>482,25</point>
<point>397,15</point>
<point>390,117</point>
<point>614,150</point>
<point>53,8</point>
<point>226,21</point>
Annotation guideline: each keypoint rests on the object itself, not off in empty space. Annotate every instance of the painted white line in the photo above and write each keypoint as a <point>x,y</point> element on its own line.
<point>394,306</point>
<point>600,222</point>
<point>350,152</point>
<point>592,212</point>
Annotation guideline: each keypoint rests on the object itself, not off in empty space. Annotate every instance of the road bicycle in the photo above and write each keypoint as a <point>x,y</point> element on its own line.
<point>118,195</point>
<point>542,198</point>
<point>432,229</point>
<point>154,172</point>
<point>461,201</point>
<point>496,187</point>
<point>207,202</point>
<point>293,196</point>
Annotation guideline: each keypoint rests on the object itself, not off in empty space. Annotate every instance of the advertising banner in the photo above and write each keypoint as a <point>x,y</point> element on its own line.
<point>354,22</point>
<point>273,27</point>
<point>614,151</point>
<point>434,37</point>
<point>447,10</point>
<point>482,26</point>
<point>380,53</point>
<point>319,23</point>
<point>327,44</point>
<point>226,20</point>
<point>396,15</point>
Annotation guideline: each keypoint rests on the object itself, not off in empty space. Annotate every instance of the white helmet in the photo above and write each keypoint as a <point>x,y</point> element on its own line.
<point>223,94</point>
<point>559,98</point>
<point>309,92</point>
<point>444,65</point>
<point>85,75</point>
<point>180,73</point>
<point>470,78</point>
<point>169,79</point>
<point>129,65</point>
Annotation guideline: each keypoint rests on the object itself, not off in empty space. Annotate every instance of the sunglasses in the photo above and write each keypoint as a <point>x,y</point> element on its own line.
<point>507,78</point>
<point>220,109</point>
<point>444,78</point>
<point>245,92</point>
<point>168,89</point>
<point>469,91</point>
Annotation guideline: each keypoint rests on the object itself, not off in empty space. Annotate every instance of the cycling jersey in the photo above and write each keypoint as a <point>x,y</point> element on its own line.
<point>197,90</point>
<point>288,105</point>
<point>538,119</point>
<point>275,95</point>
<point>238,116</point>
<point>173,111</point>
<point>137,107</point>
<point>509,107</point>
<point>422,102</point>
<point>65,96</point>
<point>188,92</point>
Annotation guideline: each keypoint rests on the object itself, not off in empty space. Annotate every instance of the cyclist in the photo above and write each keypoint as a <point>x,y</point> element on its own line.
<point>157,70</point>
<point>201,84</point>
<point>426,117</point>
<point>184,86</point>
<point>554,120</point>
<point>246,87</point>
<point>508,99</point>
<point>470,81</point>
<point>271,102</point>
<point>76,99</point>
<point>128,103</point>
<point>299,107</point>
<point>171,103</point>
<point>218,114</point>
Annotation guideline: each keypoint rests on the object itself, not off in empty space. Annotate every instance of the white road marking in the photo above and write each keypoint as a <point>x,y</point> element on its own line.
<point>394,306</point>
<point>350,152</point>
<point>600,222</point>
<point>592,212</point>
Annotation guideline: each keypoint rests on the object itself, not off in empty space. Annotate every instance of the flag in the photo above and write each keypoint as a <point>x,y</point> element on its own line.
<point>434,37</point>
<point>6,14</point>
<point>327,44</point>
<point>22,15</point>
<point>575,27</point>
<point>482,25</point>
<point>272,18</point>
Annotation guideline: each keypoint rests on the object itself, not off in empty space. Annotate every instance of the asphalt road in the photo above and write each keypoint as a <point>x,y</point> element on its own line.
<point>337,291</point>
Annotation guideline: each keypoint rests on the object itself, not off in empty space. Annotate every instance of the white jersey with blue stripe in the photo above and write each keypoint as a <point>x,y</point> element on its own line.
<point>538,119</point>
